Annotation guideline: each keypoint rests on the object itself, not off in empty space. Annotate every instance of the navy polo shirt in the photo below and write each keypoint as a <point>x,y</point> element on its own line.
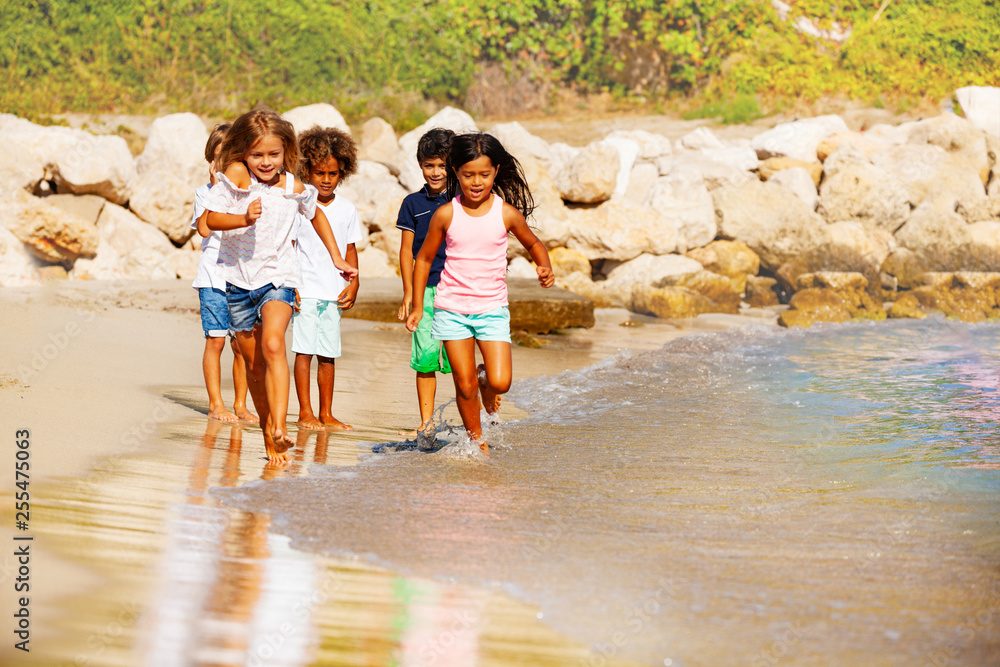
<point>415,215</point>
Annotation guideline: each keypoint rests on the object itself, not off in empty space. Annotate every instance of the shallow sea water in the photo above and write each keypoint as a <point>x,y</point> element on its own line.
<point>750,497</point>
<point>755,496</point>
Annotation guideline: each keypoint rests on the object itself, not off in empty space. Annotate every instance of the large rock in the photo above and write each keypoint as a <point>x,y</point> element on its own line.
<point>956,136</point>
<point>966,296</point>
<point>378,143</point>
<point>866,194</point>
<point>85,207</point>
<point>775,165</point>
<point>928,174</point>
<point>165,201</point>
<point>79,162</point>
<point>799,182</point>
<point>591,176</point>
<point>651,146</point>
<point>831,297</point>
<point>719,167</point>
<point>376,194</point>
<point>732,259</point>
<point>866,143</point>
<point>17,267</point>
<point>699,138</point>
<point>628,151</point>
<point>171,167</point>
<point>716,288</point>
<point>981,105</point>
<point>448,118</point>
<point>640,182</point>
<point>798,139</point>
<point>565,261</point>
<point>129,249</point>
<point>941,240</point>
<point>645,270</point>
<point>48,232</point>
<point>670,302</point>
<point>374,263</point>
<point>620,230</point>
<point>683,200</point>
<point>522,144</point>
<point>761,292</point>
<point>176,145</point>
<point>582,284</point>
<point>769,219</point>
<point>551,219</point>
<point>315,115</point>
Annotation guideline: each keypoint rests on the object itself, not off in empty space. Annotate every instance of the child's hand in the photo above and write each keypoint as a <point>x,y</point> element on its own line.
<point>347,298</point>
<point>298,302</point>
<point>253,212</point>
<point>545,276</point>
<point>404,309</point>
<point>348,272</point>
<point>413,320</point>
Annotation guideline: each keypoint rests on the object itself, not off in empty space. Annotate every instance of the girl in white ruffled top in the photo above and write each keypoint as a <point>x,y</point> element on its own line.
<point>255,204</point>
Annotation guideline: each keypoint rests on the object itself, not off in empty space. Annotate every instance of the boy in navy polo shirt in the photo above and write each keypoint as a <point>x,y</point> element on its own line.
<point>427,356</point>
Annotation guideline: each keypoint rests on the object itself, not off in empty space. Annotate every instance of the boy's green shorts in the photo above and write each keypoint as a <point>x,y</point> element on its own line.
<point>426,354</point>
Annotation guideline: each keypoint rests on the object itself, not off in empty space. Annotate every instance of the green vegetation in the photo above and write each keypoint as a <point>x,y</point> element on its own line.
<point>392,57</point>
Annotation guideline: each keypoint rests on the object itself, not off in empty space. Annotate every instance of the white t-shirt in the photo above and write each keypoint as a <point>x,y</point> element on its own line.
<point>320,278</point>
<point>208,274</point>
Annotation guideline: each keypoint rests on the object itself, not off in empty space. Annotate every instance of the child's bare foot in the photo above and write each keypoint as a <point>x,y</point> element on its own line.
<point>491,400</point>
<point>484,447</point>
<point>335,424</point>
<point>222,415</point>
<point>246,416</point>
<point>427,426</point>
<point>276,446</point>
<point>309,423</point>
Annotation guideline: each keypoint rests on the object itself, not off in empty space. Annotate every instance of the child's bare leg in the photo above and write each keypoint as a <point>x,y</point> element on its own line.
<point>211,366</point>
<point>275,316</point>
<point>496,376</point>
<point>324,377</point>
<point>307,419</point>
<point>250,347</point>
<point>240,386</point>
<point>426,390</point>
<point>462,355</point>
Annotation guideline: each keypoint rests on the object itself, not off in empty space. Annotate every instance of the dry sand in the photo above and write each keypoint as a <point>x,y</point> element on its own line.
<point>99,372</point>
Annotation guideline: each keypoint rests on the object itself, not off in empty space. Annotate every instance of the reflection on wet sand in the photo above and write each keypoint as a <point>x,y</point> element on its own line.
<point>189,581</point>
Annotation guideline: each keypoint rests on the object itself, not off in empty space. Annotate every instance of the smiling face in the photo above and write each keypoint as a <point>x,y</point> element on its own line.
<point>266,159</point>
<point>325,177</point>
<point>435,174</point>
<point>475,178</point>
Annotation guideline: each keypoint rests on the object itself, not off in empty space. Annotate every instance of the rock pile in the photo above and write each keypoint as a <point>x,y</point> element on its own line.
<point>672,228</point>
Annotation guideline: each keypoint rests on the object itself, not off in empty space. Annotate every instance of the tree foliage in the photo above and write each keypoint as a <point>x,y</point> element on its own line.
<point>220,56</point>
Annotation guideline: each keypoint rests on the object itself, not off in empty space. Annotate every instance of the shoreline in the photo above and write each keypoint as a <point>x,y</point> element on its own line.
<point>117,366</point>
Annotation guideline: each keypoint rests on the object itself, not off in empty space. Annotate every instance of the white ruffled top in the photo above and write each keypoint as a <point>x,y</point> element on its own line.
<point>263,253</point>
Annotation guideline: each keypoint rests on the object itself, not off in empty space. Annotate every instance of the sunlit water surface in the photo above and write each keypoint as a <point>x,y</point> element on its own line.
<point>757,496</point>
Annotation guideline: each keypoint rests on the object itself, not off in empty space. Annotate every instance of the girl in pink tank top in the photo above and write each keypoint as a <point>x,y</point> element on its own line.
<point>491,200</point>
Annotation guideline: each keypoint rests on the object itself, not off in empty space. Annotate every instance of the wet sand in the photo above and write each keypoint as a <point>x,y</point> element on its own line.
<point>133,557</point>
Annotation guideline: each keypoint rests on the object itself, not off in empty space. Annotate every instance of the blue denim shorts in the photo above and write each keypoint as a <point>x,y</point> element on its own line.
<point>214,312</point>
<point>492,325</point>
<point>245,305</point>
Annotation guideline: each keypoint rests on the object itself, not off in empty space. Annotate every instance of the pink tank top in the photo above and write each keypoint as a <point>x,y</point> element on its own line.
<point>475,264</point>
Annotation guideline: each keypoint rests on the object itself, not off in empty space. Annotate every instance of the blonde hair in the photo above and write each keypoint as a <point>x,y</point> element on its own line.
<point>250,128</point>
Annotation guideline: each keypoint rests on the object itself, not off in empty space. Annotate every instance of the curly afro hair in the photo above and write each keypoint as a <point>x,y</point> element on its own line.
<point>320,143</point>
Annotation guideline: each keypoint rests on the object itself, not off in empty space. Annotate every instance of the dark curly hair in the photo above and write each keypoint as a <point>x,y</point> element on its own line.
<point>320,143</point>
<point>434,143</point>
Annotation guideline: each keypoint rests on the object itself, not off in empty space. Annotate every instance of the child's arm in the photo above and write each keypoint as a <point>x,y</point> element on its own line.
<point>322,227</point>
<point>422,265</point>
<point>203,229</point>
<point>239,176</point>
<point>406,272</point>
<point>517,225</point>
<point>350,294</point>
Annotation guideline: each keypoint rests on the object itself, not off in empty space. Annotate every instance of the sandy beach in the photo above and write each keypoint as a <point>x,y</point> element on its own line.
<point>107,379</point>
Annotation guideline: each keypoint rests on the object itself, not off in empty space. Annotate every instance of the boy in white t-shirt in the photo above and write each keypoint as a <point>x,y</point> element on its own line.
<point>327,157</point>
<point>214,308</point>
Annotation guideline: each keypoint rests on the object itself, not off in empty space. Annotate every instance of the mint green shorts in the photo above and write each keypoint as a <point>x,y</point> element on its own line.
<point>316,328</point>
<point>493,325</point>
<point>427,355</point>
